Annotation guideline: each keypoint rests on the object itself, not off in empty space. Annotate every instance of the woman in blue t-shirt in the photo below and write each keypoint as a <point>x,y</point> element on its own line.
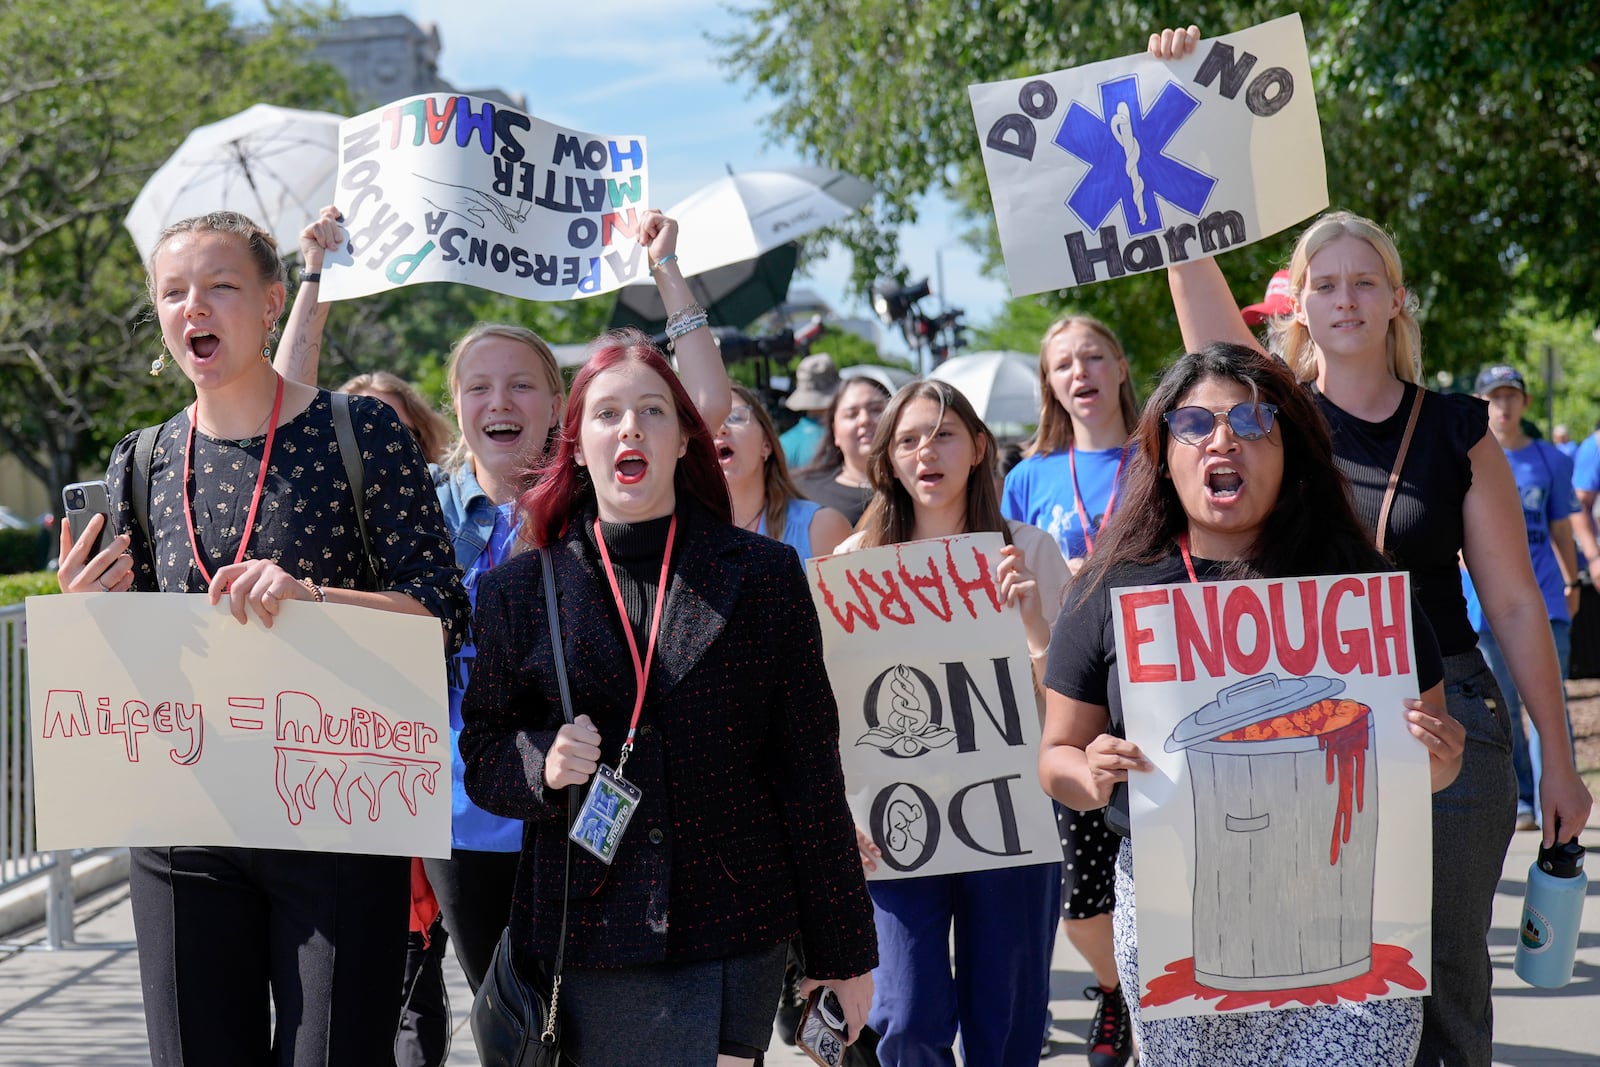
<point>1067,486</point>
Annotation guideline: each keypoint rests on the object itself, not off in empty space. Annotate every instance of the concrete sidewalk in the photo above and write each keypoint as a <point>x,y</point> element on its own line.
<point>81,1006</point>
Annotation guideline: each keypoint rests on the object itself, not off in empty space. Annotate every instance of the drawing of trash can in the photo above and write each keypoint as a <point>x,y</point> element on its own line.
<point>1286,826</point>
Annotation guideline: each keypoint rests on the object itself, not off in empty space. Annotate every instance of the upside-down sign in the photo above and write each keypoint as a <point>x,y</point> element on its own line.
<point>1134,164</point>
<point>160,720</point>
<point>938,723</point>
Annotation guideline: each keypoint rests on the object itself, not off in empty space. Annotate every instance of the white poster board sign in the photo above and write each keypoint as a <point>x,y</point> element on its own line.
<point>938,723</point>
<point>451,188</point>
<point>1131,164</point>
<point>1282,841</point>
<point>157,719</point>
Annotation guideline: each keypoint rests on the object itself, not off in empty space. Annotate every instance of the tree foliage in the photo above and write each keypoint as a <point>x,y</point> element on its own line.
<point>97,94</point>
<point>1471,129</point>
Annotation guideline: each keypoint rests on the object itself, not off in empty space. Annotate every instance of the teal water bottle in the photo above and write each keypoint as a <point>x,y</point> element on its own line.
<point>1551,910</point>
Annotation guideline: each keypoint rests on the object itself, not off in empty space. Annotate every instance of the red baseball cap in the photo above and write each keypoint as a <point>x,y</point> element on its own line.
<point>1278,301</point>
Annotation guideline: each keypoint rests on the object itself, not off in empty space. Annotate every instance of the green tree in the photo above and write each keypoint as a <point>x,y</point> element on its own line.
<point>1467,127</point>
<point>97,93</point>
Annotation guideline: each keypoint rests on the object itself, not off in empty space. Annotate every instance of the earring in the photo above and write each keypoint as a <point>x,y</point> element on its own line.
<point>266,353</point>
<point>158,364</point>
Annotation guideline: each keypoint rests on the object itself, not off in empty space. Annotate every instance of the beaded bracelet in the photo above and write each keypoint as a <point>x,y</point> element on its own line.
<point>670,257</point>
<point>317,595</point>
<point>690,310</point>
<point>677,329</point>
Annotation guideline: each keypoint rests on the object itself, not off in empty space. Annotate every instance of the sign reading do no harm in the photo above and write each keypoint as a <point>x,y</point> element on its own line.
<point>938,721</point>
<point>1133,164</point>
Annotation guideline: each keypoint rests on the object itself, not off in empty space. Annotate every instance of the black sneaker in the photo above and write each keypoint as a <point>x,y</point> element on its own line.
<point>1110,1035</point>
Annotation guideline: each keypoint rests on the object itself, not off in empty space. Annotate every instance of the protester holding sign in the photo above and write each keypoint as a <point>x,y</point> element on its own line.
<point>232,938</point>
<point>1230,476</point>
<point>1354,339</point>
<point>765,500</point>
<point>930,469</point>
<point>508,396</point>
<point>1067,486</point>
<point>724,734</point>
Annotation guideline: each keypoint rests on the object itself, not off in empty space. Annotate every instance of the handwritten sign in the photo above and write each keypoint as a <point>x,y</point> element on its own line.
<point>158,719</point>
<point>450,188</point>
<point>939,726</point>
<point>1132,164</point>
<point>1287,792</point>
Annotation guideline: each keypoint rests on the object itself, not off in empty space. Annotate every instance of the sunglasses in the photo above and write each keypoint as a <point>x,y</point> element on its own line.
<point>1249,421</point>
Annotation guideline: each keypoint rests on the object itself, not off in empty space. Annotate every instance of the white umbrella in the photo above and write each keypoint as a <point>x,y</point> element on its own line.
<point>743,215</point>
<point>1002,386</point>
<point>274,164</point>
<point>891,378</point>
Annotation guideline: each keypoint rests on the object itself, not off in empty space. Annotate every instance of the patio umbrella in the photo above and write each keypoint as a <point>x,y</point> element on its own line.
<point>743,215</point>
<point>1002,386</point>
<point>735,294</point>
<point>274,164</point>
<point>891,378</point>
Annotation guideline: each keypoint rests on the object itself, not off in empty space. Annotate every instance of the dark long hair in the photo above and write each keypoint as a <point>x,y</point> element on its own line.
<point>564,488</point>
<point>891,516</point>
<point>1312,529</point>
<point>829,457</point>
<point>776,484</point>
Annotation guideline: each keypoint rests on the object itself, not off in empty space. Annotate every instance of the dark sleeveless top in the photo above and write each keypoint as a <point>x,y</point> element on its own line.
<point>1425,524</point>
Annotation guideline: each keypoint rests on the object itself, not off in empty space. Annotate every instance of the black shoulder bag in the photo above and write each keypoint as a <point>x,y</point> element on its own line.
<point>515,1018</point>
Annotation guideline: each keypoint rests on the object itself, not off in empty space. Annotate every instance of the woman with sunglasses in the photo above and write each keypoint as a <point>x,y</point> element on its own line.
<point>765,500</point>
<point>1067,485</point>
<point>931,468</point>
<point>1230,476</point>
<point>1354,340</point>
<point>508,396</point>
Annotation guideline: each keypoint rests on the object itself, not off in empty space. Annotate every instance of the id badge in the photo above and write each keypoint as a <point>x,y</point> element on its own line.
<point>609,805</point>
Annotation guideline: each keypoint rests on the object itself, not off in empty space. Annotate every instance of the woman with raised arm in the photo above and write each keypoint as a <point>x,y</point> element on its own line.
<point>765,500</point>
<point>508,396</point>
<point>1229,476</point>
<point>1428,482</point>
<point>931,468</point>
<point>695,663</point>
<point>1067,485</point>
<point>254,955</point>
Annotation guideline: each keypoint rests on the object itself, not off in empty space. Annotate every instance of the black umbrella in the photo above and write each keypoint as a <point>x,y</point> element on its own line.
<point>735,295</point>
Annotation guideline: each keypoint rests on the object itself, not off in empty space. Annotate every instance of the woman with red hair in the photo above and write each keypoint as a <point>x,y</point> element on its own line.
<point>694,654</point>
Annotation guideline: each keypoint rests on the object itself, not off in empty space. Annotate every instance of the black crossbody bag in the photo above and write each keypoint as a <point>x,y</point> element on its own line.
<point>516,1020</point>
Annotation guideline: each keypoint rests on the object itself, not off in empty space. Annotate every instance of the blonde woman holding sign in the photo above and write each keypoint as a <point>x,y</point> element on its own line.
<point>1430,483</point>
<point>931,469</point>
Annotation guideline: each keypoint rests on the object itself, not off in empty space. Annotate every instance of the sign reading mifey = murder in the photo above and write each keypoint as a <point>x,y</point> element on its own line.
<point>1134,164</point>
<point>939,723</point>
<point>157,719</point>
<point>452,188</point>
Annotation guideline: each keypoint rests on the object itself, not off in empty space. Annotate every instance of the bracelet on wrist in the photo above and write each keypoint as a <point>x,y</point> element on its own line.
<point>670,257</point>
<point>317,595</point>
<point>307,276</point>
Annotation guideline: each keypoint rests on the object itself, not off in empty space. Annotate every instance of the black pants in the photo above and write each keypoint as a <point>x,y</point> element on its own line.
<point>424,1037</point>
<point>474,891</point>
<point>222,929</point>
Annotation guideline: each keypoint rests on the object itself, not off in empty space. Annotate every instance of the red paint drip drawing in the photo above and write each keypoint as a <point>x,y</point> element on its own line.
<point>1347,757</point>
<point>1391,966</point>
<point>301,770</point>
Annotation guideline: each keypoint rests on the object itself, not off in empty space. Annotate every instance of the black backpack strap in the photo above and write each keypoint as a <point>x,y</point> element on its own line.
<point>144,448</point>
<point>355,473</point>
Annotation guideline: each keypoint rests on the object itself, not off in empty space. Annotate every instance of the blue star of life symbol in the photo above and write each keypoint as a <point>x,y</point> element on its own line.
<point>1125,149</point>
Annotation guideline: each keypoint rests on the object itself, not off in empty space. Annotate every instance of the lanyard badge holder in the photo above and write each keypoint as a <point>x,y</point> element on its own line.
<point>612,799</point>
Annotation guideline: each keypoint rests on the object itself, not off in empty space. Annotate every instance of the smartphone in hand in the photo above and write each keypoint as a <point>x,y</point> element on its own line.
<point>83,500</point>
<point>822,1031</point>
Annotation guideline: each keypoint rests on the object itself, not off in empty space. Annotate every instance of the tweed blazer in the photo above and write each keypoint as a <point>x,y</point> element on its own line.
<point>743,837</point>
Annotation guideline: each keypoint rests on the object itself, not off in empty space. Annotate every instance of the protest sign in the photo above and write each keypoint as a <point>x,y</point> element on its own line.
<point>1133,164</point>
<point>451,188</point>
<point>158,719</point>
<point>1282,841</point>
<point>938,723</point>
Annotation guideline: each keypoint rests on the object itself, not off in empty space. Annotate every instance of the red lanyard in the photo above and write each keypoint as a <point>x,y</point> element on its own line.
<point>641,670</point>
<point>1188,564</point>
<point>1077,496</point>
<point>255,500</point>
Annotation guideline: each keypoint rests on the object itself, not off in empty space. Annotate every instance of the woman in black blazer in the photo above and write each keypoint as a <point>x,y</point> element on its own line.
<point>742,837</point>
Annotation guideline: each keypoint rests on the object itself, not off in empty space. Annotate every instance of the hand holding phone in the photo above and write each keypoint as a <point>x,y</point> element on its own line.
<point>84,500</point>
<point>822,1033</point>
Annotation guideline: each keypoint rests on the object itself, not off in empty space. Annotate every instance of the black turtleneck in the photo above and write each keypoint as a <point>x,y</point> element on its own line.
<point>636,549</point>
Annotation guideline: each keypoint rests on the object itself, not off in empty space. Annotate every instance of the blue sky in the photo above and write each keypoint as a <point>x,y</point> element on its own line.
<point>646,67</point>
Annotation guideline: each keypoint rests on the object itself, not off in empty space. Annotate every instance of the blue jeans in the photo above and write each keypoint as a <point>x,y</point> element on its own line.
<point>1473,820</point>
<point>1526,751</point>
<point>1000,990</point>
